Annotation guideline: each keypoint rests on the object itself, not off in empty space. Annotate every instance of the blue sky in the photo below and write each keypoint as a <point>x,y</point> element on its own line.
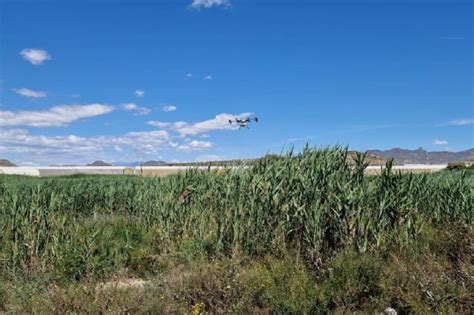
<point>135,80</point>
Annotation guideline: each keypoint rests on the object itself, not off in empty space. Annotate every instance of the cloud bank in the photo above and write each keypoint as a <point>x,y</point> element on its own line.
<point>56,116</point>
<point>75,149</point>
<point>219,122</point>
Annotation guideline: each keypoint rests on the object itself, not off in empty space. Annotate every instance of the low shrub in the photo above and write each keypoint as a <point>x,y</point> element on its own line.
<point>456,166</point>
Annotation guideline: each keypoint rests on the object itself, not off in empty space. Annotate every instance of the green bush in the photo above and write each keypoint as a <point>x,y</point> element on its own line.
<point>284,285</point>
<point>456,166</point>
<point>352,282</point>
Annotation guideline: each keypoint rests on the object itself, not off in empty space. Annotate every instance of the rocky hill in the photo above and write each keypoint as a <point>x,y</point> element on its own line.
<point>99,163</point>
<point>371,158</point>
<point>421,156</point>
<point>154,163</point>
<point>4,162</point>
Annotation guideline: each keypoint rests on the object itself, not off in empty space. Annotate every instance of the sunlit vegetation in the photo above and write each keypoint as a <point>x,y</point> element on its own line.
<point>306,232</point>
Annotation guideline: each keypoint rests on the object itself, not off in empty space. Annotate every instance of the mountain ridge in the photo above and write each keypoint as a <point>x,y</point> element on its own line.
<point>422,156</point>
<point>99,163</point>
<point>374,157</point>
<point>4,162</point>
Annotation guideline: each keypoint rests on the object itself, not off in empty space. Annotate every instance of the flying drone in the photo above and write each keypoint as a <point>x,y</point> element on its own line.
<point>244,122</point>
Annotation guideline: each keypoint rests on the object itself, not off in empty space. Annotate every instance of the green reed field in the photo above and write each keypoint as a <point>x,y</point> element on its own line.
<point>304,233</point>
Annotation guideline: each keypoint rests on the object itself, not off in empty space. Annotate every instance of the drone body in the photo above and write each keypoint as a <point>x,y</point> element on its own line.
<point>243,122</point>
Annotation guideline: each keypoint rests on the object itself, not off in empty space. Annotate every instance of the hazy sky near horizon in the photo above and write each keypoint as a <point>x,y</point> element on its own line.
<point>140,80</point>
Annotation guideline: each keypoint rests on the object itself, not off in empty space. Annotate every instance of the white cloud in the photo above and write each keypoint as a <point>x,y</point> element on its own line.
<point>131,107</point>
<point>39,146</point>
<point>208,77</point>
<point>159,124</point>
<point>35,56</point>
<point>220,122</point>
<point>169,108</point>
<point>440,142</point>
<point>189,75</point>
<point>198,4</point>
<point>30,93</point>
<point>195,145</point>
<point>460,122</point>
<point>148,136</point>
<point>139,93</point>
<point>145,142</point>
<point>70,149</point>
<point>56,116</point>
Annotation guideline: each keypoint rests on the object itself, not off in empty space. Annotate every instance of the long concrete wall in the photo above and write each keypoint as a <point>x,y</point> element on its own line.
<point>161,171</point>
<point>106,170</point>
<point>413,168</point>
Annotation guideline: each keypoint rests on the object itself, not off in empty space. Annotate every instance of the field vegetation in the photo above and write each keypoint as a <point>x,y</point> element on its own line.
<point>304,233</point>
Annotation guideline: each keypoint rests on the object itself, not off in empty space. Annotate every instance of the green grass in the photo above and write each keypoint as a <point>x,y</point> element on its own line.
<point>313,230</point>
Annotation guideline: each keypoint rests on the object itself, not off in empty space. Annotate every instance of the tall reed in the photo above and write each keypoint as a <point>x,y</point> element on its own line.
<point>313,201</point>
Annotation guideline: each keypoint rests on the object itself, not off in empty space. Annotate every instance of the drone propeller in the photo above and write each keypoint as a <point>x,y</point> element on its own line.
<point>243,121</point>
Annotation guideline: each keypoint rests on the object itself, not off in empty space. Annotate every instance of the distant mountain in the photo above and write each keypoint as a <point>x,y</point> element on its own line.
<point>6,163</point>
<point>218,163</point>
<point>99,163</point>
<point>371,158</point>
<point>154,163</point>
<point>421,156</point>
<point>137,163</point>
